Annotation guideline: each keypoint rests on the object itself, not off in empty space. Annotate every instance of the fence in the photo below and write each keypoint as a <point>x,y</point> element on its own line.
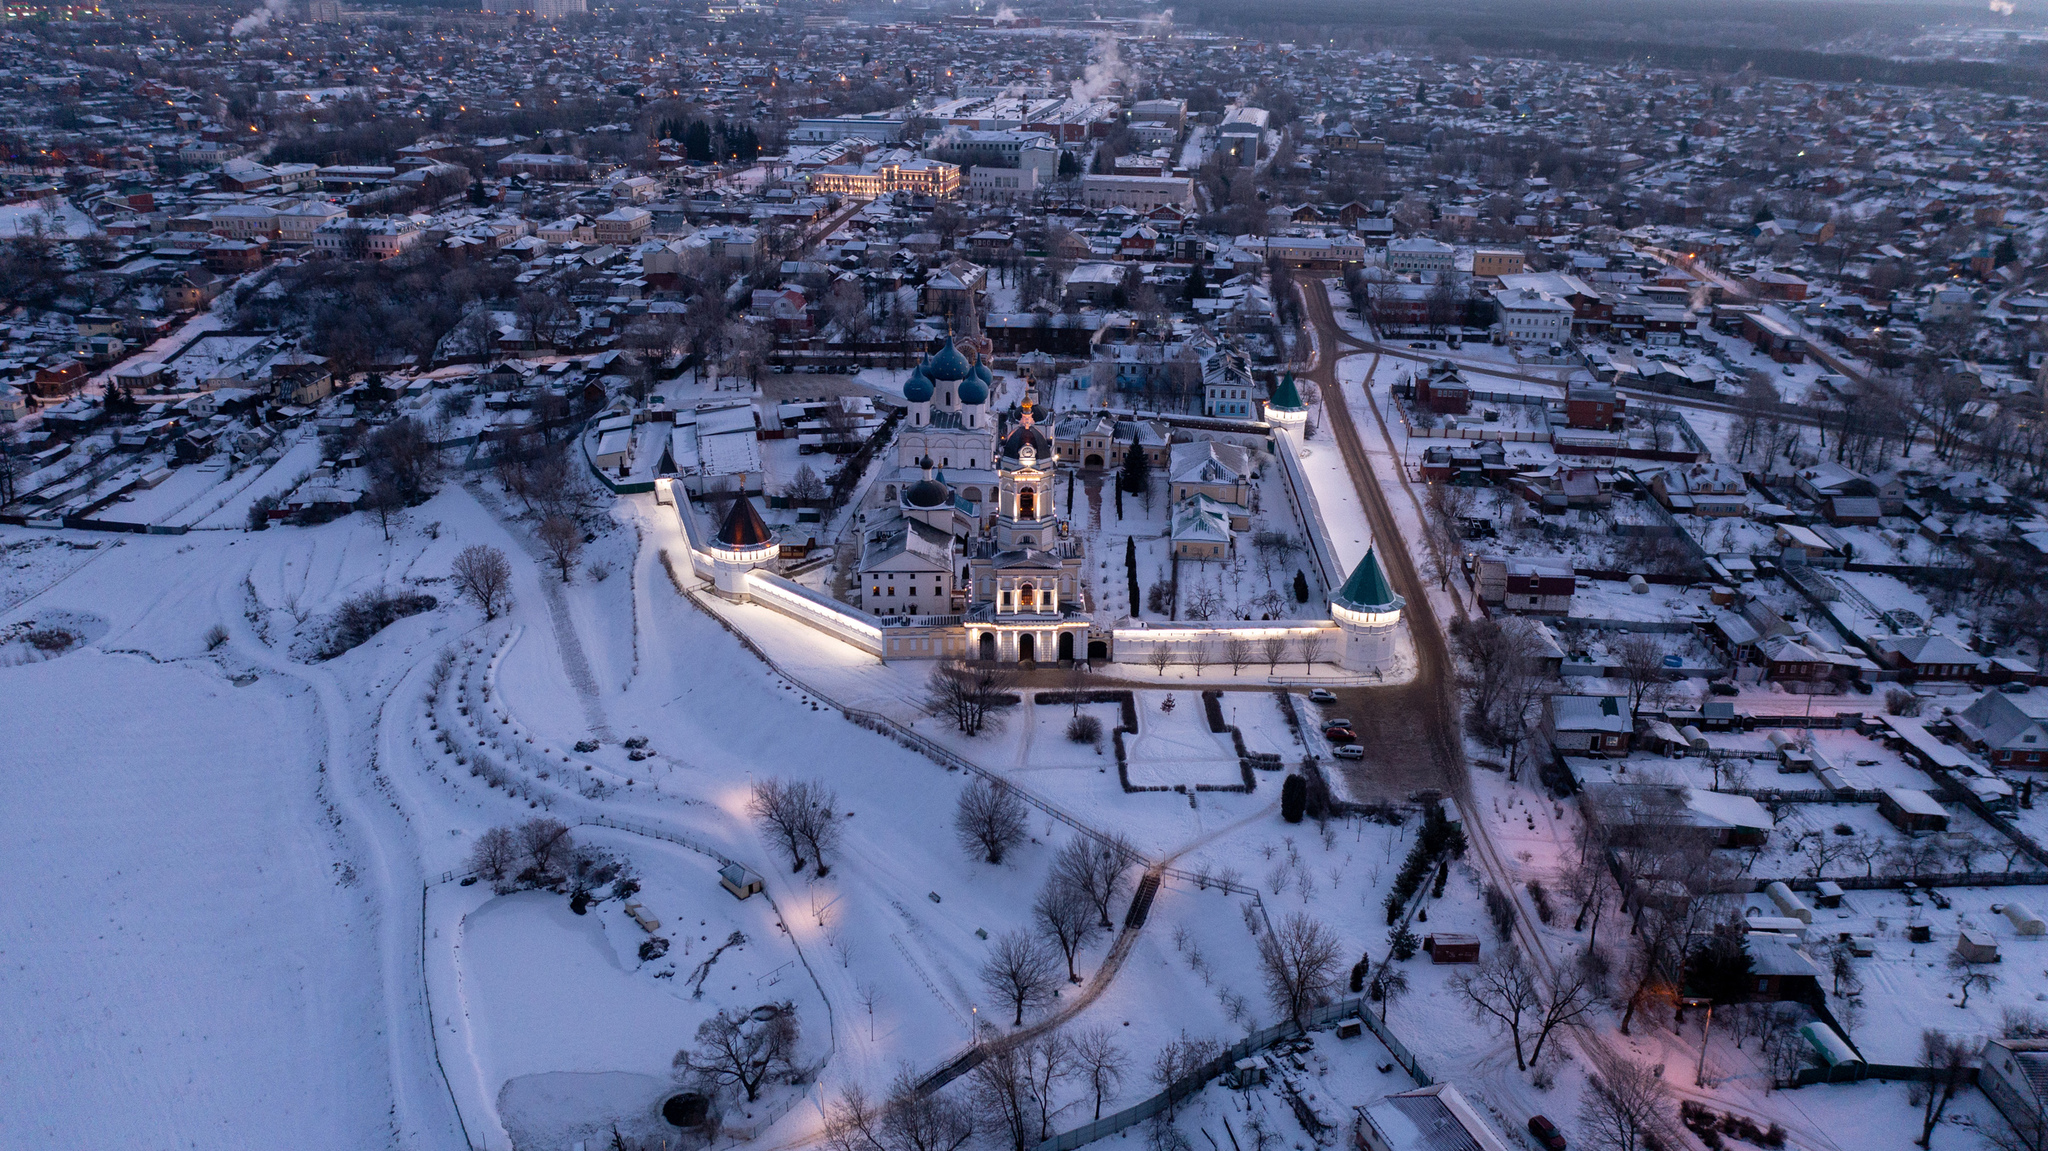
<point>1257,1041</point>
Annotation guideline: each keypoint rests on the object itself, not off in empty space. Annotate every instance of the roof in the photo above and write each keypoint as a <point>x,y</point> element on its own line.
<point>1590,713</point>
<point>1367,587</point>
<point>1286,397</point>
<point>1200,518</point>
<point>1772,956</point>
<point>1207,462</point>
<point>1434,1118</point>
<point>744,527</point>
<point>1914,801</point>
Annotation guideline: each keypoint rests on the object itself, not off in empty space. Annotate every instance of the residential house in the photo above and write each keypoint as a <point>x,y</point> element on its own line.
<point>2013,1074</point>
<point>1715,490</point>
<point>1931,656</point>
<point>1588,724</point>
<point>1518,584</point>
<point>2011,730</point>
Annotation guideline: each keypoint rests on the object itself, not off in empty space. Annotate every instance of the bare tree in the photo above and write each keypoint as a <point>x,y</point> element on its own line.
<point>494,854</point>
<point>908,1120</point>
<point>806,487</point>
<point>543,841</point>
<point>990,819</point>
<point>1312,646</point>
<point>972,695</point>
<point>734,1048</point>
<point>1299,959</point>
<point>1049,1061</point>
<point>1066,919</point>
<point>775,805</point>
<point>1274,649</point>
<point>1176,1061</point>
<point>1640,657</point>
<point>1020,972</point>
<point>1096,868</point>
<point>1624,1109</point>
<point>1566,1000</point>
<point>1504,990</point>
<point>1161,657</point>
<point>563,540</point>
<point>1968,977</point>
<point>483,577</point>
<point>1101,1062</point>
<point>1000,1089</point>
<point>1235,652</point>
<point>1947,1061</point>
<point>816,824</point>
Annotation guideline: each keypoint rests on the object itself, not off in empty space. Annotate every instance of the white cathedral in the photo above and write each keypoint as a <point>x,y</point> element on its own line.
<point>969,525</point>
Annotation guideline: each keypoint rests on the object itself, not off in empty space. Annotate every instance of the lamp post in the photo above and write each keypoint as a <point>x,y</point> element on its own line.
<point>1699,1077</point>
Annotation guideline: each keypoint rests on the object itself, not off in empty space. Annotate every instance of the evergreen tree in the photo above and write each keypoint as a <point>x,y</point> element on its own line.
<point>697,142</point>
<point>1136,477</point>
<point>1069,167</point>
<point>1197,286</point>
<point>1131,570</point>
<point>1300,586</point>
<point>1293,798</point>
<point>479,195</point>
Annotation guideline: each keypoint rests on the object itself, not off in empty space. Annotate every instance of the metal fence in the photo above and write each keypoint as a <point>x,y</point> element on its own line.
<point>1257,1041</point>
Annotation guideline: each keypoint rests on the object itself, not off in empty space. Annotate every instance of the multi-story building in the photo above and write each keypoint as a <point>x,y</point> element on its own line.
<point>1528,316</point>
<point>870,179</point>
<point>623,225</point>
<point>1419,254</point>
<point>1143,193</point>
<point>366,239</point>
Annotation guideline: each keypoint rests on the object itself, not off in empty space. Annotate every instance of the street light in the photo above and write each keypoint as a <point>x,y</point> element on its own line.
<point>1699,1076</point>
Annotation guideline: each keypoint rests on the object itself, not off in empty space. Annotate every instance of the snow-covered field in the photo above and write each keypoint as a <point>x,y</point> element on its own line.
<point>245,927</point>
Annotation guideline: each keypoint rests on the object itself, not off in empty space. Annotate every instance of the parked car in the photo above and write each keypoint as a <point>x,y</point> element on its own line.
<point>1349,751</point>
<point>1724,689</point>
<point>1340,735</point>
<point>1546,1133</point>
<point>1322,695</point>
<point>1330,724</point>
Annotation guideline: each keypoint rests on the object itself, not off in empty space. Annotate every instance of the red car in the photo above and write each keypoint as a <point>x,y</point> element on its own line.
<point>1546,1133</point>
<point>1341,735</point>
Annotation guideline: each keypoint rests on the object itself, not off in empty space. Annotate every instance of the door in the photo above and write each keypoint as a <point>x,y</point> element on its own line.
<point>988,645</point>
<point>1027,648</point>
<point>1066,647</point>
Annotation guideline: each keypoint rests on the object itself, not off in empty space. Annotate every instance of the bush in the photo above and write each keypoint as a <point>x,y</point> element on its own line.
<point>50,639</point>
<point>1541,898</point>
<point>1084,729</point>
<point>365,615</point>
<point>652,949</point>
<point>215,637</point>
<point>259,512</point>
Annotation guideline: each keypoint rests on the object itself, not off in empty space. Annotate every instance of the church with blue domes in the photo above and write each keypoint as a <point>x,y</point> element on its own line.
<point>968,525</point>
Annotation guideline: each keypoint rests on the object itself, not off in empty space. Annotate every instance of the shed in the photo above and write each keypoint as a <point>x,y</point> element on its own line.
<point>1445,947</point>
<point>1350,1027</point>
<point>1248,1072</point>
<point>1977,946</point>
<point>1911,810</point>
<point>1789,905</point>
<point>1827,893</point>
<point>2024,921</point>
<point>738,880</point>
<point>1834,1052</point>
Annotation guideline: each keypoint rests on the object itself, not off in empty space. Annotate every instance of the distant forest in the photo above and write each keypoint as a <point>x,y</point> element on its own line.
<point>1777,37</point>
